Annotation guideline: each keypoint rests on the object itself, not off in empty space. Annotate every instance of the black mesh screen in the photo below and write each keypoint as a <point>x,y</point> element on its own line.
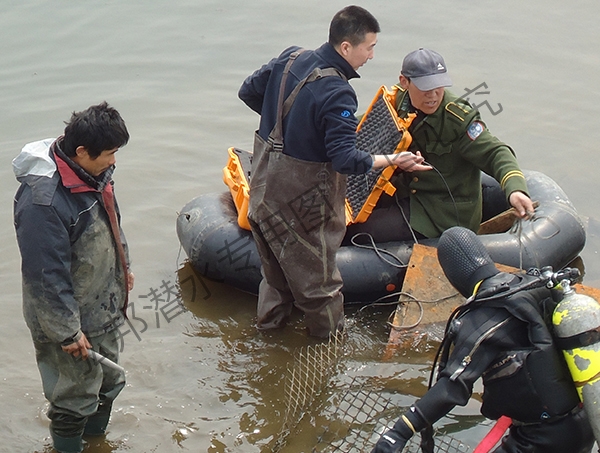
<point>378,134</point>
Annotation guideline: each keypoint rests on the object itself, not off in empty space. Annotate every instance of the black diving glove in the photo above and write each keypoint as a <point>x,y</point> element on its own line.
<point>390,442</point>
<point>394,440</point>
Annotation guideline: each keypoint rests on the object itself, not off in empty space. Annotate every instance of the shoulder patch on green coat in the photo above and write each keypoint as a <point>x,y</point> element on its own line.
<point>475,130</point>
<point>459,110</point>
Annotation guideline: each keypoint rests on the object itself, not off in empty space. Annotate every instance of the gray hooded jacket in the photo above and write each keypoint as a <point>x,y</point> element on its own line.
<point>74,279</point>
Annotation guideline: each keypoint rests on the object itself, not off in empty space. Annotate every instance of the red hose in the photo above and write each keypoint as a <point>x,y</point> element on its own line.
<point>495,434</point>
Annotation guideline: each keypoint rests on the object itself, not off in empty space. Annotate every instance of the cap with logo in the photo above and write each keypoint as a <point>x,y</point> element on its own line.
<point>426,69</point>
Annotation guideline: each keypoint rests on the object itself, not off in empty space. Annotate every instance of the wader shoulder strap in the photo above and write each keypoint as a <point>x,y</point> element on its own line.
<point>276,135</point>
<point>283,107</point>
<point>316,74</point>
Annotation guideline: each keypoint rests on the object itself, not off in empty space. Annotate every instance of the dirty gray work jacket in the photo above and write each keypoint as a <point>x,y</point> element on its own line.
<point>74,272</point>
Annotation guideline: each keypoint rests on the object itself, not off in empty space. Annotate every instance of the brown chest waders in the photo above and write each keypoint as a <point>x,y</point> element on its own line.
<point>296,211</point>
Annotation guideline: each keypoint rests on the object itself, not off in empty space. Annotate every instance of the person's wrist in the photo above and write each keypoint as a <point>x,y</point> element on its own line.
<point>410,423</point>
<point>72,339</point>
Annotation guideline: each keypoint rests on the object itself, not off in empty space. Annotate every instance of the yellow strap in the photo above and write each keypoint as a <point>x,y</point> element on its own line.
<point>408,423</point>
<point>477,287</point>
<point>509,175</point>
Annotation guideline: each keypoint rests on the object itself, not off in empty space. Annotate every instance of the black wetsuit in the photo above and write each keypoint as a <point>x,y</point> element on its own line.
<point>506,341</point>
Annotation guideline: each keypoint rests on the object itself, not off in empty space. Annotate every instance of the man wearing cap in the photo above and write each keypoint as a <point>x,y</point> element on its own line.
<point>454,140</point>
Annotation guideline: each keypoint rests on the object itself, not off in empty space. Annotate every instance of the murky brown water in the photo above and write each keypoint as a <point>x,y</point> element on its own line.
<point>203,379</point>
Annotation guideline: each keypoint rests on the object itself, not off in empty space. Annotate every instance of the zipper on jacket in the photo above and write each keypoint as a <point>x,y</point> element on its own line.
<point>467,359</point>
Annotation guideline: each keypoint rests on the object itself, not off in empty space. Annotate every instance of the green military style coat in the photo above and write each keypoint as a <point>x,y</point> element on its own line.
<point>456,142</point>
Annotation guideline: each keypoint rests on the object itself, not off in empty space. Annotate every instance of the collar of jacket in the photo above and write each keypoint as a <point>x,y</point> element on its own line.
<point>75,178</point>
<point>404,106</point>
<point>328,53</point>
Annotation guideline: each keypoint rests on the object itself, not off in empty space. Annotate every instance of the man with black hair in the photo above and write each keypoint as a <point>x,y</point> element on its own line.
<point>501,335</point>
<point>75,269</point>
<point>297,192</point>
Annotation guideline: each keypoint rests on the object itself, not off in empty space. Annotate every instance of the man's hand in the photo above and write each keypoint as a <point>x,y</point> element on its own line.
<point>130,280</point>
<point>78,348</point>
<point>394,440</point>
<point>522,203</point>
<point>405,161</point>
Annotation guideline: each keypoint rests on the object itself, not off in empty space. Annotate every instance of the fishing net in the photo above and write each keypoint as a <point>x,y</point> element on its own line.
<point>353,419</point>
<point>307,376</point>
<point>359,418</point>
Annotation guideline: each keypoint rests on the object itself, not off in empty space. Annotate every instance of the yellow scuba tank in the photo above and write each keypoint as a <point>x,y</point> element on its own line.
<point>576,321</point>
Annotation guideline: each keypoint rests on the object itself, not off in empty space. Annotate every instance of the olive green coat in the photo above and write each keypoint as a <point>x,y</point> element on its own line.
<point>458,150</point>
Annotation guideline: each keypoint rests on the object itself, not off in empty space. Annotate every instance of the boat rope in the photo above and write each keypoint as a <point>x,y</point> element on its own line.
<point>419,303</point>
<point>406,221</point>
<point>410,326</point>
<point>517,230</point>
<point>448,190</point>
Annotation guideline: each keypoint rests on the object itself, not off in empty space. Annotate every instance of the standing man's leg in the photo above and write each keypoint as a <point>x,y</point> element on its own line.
<point>309,261</point>
<point>71,385</point>
<point>113,381</point>
<point>316,282</point>
<point>275,301</point>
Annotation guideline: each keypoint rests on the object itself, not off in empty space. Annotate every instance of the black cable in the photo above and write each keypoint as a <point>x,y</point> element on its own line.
<point>448,189</point>
<point>377,250</point>
<point>410,228</point>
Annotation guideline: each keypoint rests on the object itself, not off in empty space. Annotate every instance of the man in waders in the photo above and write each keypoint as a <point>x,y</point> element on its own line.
<point>75,269</point>
<point>301,156</point>
<point>501,334</point>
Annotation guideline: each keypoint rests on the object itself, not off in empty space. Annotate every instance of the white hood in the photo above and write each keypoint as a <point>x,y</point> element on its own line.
<point>35,160</point>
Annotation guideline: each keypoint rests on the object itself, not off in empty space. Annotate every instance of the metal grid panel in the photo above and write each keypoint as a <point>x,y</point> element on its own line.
<point>361,416</point>
<point>307,377</point>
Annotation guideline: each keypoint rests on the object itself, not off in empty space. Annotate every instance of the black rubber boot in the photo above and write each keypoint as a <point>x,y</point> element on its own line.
<point>67,444</point>
<point>96,424</point>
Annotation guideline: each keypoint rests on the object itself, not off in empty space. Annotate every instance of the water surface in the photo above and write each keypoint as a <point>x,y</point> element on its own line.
<point>203,379</point>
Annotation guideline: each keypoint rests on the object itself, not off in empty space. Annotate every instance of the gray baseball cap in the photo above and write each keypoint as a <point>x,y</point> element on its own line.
<point>426,69</point>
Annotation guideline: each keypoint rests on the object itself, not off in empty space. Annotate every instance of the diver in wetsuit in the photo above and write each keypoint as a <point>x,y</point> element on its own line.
<point>501,335</point>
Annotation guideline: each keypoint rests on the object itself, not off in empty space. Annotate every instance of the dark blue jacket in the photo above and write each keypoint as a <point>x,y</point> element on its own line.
<point>321,126</point>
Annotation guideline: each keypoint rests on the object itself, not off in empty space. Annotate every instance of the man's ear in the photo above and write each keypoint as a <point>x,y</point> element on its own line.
<point>345,47</point>
<point>81,151</point>
<point>404,82</point>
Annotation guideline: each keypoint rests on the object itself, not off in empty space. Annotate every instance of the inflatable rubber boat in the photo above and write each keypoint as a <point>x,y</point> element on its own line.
<point>219,249</point>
